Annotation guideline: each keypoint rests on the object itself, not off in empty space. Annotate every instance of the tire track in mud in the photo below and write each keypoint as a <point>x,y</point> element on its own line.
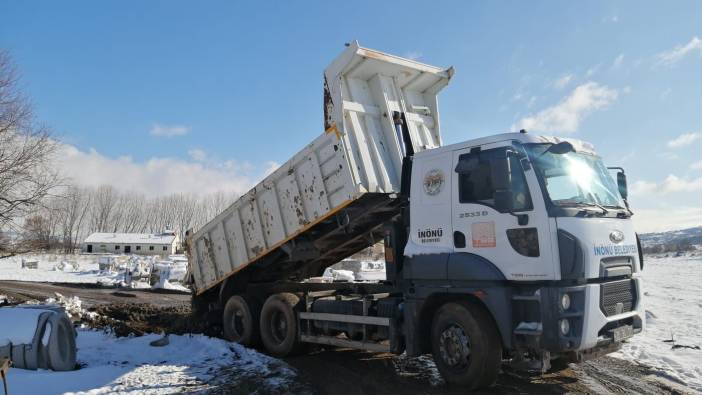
<point>609,375</point>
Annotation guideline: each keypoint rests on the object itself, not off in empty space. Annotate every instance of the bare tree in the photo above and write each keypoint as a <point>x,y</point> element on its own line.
<point>26,150</point>
<point>186,213</point>
<point>101,211</point>
<point>37,233</point>
<point>73,207</point>
<point>133,218</point>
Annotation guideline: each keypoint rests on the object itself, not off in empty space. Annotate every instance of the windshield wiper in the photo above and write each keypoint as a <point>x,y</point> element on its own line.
<point>594,203</point>
<point>627,214</point>
<point>585,204</point>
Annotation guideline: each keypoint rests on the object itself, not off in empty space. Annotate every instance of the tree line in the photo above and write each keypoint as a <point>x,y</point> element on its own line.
<point>65,219</point>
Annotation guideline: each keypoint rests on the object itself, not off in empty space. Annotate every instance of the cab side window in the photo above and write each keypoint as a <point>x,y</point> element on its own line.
<point>475,186</point>
<point>477,172</point>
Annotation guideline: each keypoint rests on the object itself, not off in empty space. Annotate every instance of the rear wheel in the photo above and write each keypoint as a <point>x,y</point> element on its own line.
<point>240,320</point>
<point>279,329</point>
<point>466,346</point>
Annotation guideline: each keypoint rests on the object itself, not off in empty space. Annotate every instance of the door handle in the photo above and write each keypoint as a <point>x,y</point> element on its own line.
<point>459,239</point>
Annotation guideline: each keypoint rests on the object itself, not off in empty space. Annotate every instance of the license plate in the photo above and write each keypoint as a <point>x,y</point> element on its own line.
<point>621,333</point>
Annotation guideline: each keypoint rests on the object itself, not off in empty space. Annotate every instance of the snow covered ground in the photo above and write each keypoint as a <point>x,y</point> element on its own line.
<point>47,271</point>
<point>129,365</point>
<point>673,300</point>
<point>84,268</point>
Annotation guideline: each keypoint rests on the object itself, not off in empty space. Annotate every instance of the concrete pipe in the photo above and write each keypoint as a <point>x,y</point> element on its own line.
<point>37,337</point>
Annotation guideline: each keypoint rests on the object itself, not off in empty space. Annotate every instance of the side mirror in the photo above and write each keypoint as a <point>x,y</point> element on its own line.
<point>504,200</point>
<point>621,183</point>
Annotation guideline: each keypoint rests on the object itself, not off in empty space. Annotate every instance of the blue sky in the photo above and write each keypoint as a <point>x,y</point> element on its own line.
<point>219,92</point>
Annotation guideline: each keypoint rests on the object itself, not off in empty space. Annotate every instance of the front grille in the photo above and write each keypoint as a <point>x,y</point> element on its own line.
<point>616,292</point>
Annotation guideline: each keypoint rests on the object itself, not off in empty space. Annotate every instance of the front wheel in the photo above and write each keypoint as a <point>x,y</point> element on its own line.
<point>466,346</point>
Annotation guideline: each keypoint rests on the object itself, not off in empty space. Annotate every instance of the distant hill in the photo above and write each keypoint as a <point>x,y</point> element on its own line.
<point>672,241</point>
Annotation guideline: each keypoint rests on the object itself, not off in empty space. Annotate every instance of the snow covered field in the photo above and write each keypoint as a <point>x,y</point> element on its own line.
<point>129,365</point>
<point>47,271</point>
<point>84,268</point>
<point>673,300</point>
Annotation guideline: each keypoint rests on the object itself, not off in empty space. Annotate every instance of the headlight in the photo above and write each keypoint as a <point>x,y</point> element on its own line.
<point>565,326</point>
<point>565,301</point>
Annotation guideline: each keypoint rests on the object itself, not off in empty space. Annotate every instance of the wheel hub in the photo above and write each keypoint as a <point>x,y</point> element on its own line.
<point>454,346</point>
<point>279,327</point>
<point>238,322</point>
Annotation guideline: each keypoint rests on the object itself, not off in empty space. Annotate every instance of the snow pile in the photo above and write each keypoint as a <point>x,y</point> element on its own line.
<point>130,365</point>
<point>171,273</point>
<point>419,368</point>
<point>133,271</point>
<point>673,299</point>
<point>356,270</point>
<point>338,275</point>
<point>73,306</point>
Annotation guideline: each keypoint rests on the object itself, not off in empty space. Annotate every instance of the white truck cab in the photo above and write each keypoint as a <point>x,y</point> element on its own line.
<point>537,228</point>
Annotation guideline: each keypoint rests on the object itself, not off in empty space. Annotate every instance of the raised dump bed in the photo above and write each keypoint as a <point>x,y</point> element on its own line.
<point>330,199</point>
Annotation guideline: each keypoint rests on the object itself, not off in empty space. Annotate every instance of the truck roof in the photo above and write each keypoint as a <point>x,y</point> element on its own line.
<point>524,138</point>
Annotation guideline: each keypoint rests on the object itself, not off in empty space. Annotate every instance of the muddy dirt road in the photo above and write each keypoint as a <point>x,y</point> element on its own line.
<point>351,372</point>
<point>92,294</point>
<point>345,371</point>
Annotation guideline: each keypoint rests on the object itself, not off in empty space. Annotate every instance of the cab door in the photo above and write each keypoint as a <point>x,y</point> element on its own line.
<point>498,215</point>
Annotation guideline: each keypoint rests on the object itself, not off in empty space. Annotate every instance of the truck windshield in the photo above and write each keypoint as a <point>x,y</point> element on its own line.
<point>574,178</point>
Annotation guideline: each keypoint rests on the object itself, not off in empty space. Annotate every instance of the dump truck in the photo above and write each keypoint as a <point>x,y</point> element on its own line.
<point>511,248</point>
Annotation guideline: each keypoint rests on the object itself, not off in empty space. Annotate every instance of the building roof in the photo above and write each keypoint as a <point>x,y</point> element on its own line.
<point>130,238</point>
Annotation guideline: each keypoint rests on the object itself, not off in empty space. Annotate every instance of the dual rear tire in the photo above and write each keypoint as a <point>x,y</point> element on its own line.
<point>275,324</point>
<point>241,320</point>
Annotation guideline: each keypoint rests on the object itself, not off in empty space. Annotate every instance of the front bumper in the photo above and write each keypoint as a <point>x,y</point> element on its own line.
<point>593,318</point>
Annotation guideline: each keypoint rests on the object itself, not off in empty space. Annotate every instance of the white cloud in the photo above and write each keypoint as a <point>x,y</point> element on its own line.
<point>197,154</point>
<point>627,157</point>
<point>412,55</point>
<point>666,218</point>
<point>684,139</point>
<point>563,81</point>
<point>168,130</point>
<point>668,155</point>
<point>592,70</point>
<point>671,184</point>
<point>642,187</point>
<point>566,116</point>
<point>531,101</point>
<point>156,176</point>
<point>669,58</point>
<point>696,165</point>
<point>618,61</point>
<point>270,167</point>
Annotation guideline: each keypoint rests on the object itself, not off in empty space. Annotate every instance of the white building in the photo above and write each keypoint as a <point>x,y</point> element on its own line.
<point>164,243</point>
